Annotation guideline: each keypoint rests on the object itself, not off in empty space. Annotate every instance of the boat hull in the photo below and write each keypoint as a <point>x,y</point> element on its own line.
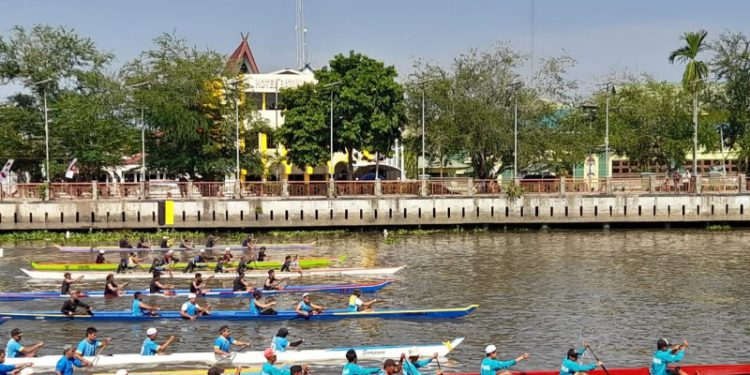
<point>730,369</point>
<point>320,272</point>
<point>304,263</point>
<point>241,315</point>
<point>115,249</point>
<point>251,357</point>
<point>213,293</point>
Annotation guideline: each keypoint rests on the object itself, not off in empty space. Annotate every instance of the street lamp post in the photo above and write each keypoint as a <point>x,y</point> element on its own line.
<point>46,127</point>
<point>610,91</point>
<point>424,161</point>
<point>331,169</point>
<point>143,132</point>
<point>515,86</point>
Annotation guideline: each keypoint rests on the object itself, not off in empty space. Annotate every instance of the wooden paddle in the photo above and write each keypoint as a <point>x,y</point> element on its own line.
<point>96,358</point>
<point>597,358</point>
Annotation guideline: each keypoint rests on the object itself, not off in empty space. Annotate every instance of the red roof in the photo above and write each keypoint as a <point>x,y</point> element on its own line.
<point>242,55</point>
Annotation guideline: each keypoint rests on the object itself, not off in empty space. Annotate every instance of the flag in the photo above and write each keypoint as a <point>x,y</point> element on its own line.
<point>72,170</point>
<point>5,172</point>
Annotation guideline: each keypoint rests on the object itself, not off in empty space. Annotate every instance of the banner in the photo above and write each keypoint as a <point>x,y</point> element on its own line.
<point>5,172</point>
<point>72,170</point>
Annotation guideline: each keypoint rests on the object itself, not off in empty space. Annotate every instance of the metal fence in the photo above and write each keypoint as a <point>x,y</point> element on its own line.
<point>646,185</point>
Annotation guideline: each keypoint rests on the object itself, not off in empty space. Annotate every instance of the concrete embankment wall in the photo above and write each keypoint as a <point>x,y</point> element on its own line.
<point>356,212</point>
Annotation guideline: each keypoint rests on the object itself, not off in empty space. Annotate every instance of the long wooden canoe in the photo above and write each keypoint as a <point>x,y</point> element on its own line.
<point>266,265</point>
<point>115,249</point>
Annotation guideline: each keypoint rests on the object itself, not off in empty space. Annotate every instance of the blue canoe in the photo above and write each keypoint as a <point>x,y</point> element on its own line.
<point>213,293</point>
<point>337,314</point>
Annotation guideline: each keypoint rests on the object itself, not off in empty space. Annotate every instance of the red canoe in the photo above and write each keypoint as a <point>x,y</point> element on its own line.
<point>738,369</point>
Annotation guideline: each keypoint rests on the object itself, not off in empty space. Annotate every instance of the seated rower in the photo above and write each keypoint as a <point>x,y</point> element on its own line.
<point>87,347</point>
<point>294,265</point>
<point>111,289</point>
<point>156,285</point>
<point>186,244</point>
<point>163,264</point>
<point>240,285</point>
<point>413,364</point>
<point>210,242</point>
<point>140,308</point>
<point>198,261</point>
<point>248,242</point>
<point>391,367</point>
<point>279,343</point>
<point>285,267</point>
<point>352,368</point>
<point>261,254</point>
<point>68,362</point>
<point>131,262</point>
<point>100,258</point>
<point>164,243</point>
<point>356,304</point>
<point>125,243</point>
<point>143,243</point>
<point>491,366</point>
<point>242,265</point>
<point>306,308</point>
<point>223,266</point>
<point>272,283</point>
<point>259,308</point>
<point>67,282</point>
<point>570,365</point>
<point>150,347</point>
<point>14,349</point>
<point>665,355</point>
<point>269,368</point>
<point>198,285</point>
<point>227,256</point>
<point>223,343</point>
<point>191,310</point>
<point>70,306</point>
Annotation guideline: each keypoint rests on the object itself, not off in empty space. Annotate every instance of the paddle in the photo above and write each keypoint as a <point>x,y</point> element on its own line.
<point>234,354</point>
<point>167,343</point>
<point>597,358</point>
<point>98,355</point>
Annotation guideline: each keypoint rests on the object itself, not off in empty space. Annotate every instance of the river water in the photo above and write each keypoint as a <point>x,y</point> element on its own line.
<point>539,292</point>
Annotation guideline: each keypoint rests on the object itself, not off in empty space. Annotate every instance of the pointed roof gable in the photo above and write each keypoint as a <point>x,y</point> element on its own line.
<point>242,60</point>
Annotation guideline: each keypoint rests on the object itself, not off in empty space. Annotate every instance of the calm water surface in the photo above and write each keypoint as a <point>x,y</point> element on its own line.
<point>539,292</point>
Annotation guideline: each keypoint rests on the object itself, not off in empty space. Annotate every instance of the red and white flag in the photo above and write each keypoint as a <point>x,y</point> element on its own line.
<point>72,169</point>
<point>5,172</point>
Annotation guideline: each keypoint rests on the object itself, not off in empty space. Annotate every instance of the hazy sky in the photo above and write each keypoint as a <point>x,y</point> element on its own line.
<point>604,36</point>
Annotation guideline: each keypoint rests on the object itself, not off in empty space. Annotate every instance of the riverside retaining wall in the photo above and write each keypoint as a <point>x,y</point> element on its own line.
<point>269,213</point>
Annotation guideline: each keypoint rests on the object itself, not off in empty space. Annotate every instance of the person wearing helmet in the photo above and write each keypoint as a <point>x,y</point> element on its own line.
<point>306,308</point>
<point>356,304</point>
<point>150,347</point>
<point>100,258</point>
<point>191,310</point>
<point>67,363</point>
<point>570,365</point>
<point>490,365</point>
<point>352,368</point>
<point>665,355</point>
<point>279,343</point>
<point>223,344</point>
<point>411,366</point>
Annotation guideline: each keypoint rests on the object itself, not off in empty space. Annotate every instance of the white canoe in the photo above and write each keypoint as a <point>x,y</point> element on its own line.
<point>317,272</point>
<point>250,358</point>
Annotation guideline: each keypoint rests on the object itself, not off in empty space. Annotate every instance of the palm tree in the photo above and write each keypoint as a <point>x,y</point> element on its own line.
<point>695,72</point>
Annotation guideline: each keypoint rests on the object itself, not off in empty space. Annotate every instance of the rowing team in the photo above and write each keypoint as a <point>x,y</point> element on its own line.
<point>91,346</point>
<point>187,244</point>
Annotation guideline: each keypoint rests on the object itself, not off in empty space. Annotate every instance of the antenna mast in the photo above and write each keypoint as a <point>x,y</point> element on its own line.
<point>301,35</point>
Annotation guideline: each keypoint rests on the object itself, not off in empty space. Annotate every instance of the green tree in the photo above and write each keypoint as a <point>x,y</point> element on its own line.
<point>695,72</point>
<point>306,127</point>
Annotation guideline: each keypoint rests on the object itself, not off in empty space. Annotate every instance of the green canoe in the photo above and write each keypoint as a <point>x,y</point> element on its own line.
<point>304,263</point>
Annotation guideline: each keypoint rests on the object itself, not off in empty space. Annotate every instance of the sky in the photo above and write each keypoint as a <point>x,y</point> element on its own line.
<point>603,36</point>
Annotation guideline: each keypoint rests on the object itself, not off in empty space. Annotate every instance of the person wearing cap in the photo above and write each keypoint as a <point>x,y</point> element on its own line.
<point>11,369</point>
<point>272,283</point>
<point>140,309</point>
<point>269,368</point>
<point>279,343</point>
<point>356,304</point>
<point>150,347</point>
<point>391,367</point>
<point>164,243</point>
<point>260,308</point>
<point>227,256</point>
<point>68,362</point>
<point>240,285</point>
<point>70,306</point>
<point>68,281</point>
<point>191,310</point>
<point>223,343</point>
<point>306,308</point>
<point>87,347</point>
<point>413,364</point>
<point>665,355</point>
<point>157,287</point>
<point>198,285</point>
<point>111,288</point>
<point>100,258</point>
<point>490,365</point>
<point>14,349</point>
<point>352,368</point>
<point>570,365</point>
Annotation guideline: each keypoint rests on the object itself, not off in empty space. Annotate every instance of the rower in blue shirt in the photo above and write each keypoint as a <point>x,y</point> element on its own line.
<point>67,363</point>
<point>490,365</point>
<point>87,347</point>
<point>351,368</point>
<point>570,365</point>
<point>140,308</point>
<point>306,308</point>
<point>279,343</point>
<point>15,349</point>
<point>665,355</point>
<point>223,343</point>
<point>191,310</point>
<point>150,347</point>
<point>269,368</point>
<point>411,366</point>
<point>10,369</point>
